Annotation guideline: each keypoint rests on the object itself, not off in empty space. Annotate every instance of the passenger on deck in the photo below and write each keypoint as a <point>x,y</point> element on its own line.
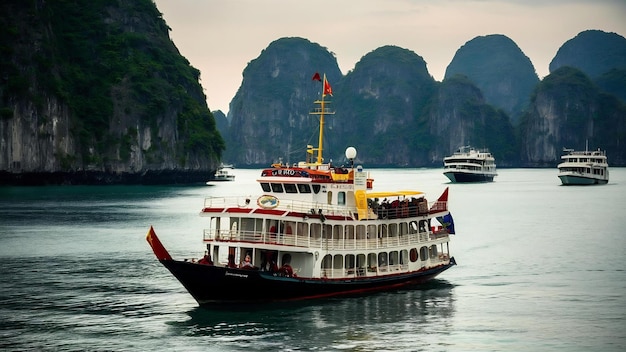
<point>206,259</point>
<point>286,269</point>
<point>269,264</point>
<point>247,263</point>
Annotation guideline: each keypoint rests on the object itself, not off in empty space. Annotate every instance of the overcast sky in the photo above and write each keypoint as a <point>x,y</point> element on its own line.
<point>220,37</point>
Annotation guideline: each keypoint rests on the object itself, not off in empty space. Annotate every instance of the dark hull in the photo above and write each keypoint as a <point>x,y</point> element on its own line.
<point>215,284</point>
<point>463,177</point>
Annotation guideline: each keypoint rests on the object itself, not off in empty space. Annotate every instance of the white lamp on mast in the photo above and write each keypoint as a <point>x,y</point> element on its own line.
<point>351,155</point>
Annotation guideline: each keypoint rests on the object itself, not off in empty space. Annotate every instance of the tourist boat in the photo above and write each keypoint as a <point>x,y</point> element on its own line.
<point>315,230</point>
<point>583,167</point>
<point>222,174</point>
<point>470,165</point>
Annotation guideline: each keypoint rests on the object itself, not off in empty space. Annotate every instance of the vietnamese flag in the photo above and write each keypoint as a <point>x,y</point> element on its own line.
<point>328,90</point>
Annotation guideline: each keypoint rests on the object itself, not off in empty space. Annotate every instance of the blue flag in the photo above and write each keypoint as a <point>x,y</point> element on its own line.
<point>447,222</point>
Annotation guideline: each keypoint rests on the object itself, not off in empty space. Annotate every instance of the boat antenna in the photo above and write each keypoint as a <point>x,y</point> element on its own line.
<point>321,111</point>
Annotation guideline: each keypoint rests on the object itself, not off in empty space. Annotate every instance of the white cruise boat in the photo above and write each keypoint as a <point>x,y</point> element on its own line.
<point>314,230</point>
<point>222,174</point>
<point>583,167</point>
<point>470,165</point>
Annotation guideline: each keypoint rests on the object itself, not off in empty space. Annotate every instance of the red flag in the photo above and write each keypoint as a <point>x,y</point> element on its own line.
<point>316,77</point>
<point>441,204</point>
<point>327,89</point>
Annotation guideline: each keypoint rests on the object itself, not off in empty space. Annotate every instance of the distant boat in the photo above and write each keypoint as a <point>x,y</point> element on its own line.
<point>315,230</point>
<point>583,167</point>
<point>222,174</point>
<point>470,165</point>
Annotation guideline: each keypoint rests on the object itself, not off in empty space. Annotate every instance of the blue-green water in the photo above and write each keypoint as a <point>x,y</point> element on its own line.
<point>541,268</point>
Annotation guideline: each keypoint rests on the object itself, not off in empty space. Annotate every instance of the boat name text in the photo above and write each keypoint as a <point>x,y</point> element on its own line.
<point>243,276</point>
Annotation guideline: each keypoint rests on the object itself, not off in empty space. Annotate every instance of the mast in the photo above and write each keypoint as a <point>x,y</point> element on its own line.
<point>321,111</point>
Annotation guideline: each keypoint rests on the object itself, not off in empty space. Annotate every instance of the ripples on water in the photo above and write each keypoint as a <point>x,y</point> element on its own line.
<point>125,303</point>
<point>540,269</point>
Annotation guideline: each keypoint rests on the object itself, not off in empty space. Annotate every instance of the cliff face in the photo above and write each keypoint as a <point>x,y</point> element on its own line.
<point>593,52</point>
<point>567,111</point>
<point>500,69</point>
<point>269,115</point>
<point>388,107</point>
<point>97,92</point>
<point>378,105</point>
<point>600,55</point>
<point>395,114</point>
<point>460,116</point>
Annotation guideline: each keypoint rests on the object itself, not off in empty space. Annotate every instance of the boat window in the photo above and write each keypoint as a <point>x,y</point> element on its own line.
<point>404,228</point>
<point>404,255</point>
<point>327,231</point>
<point>424,253</point>
<point>337,231</point>
<point>414,256</point>
<point>303,229</point>
<point>327,262</point>
<point>341,198</point>
<point>266,187</point>
<point>258,225</point>
<point>349,232</point>
<point>413,228</point>
<point>371,231</point>
<point>433,251</point>
<point>382,231</point>
<point>350,261</point>
<point>382,259</point>
<point>246,226</point>
<point>338,261</point>
<point>329,197</point>
<point>360,261</point>
<point>289,227</point>
<point>277,187</point>
<point>290,188</point>
<point>360,232</point>
<point>316,231</point>
<point>304,188</point>
<point>371,260</point>
<point>316,189</point>
<point>393,230</point>
<point>393,258</point>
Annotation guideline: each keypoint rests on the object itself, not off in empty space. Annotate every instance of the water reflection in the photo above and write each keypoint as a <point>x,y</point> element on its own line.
<point>379,321</point>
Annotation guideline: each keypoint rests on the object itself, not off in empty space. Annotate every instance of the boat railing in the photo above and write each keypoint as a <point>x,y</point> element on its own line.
<point>586,153</point>
<point>283,204</point>
<point>322,243</point>
<point>317,208</point>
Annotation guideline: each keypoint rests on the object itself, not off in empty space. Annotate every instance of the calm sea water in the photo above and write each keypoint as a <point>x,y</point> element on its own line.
<point>541,268</point>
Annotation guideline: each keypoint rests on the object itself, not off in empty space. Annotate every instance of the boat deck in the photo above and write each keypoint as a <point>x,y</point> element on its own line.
<point>308,242</point>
